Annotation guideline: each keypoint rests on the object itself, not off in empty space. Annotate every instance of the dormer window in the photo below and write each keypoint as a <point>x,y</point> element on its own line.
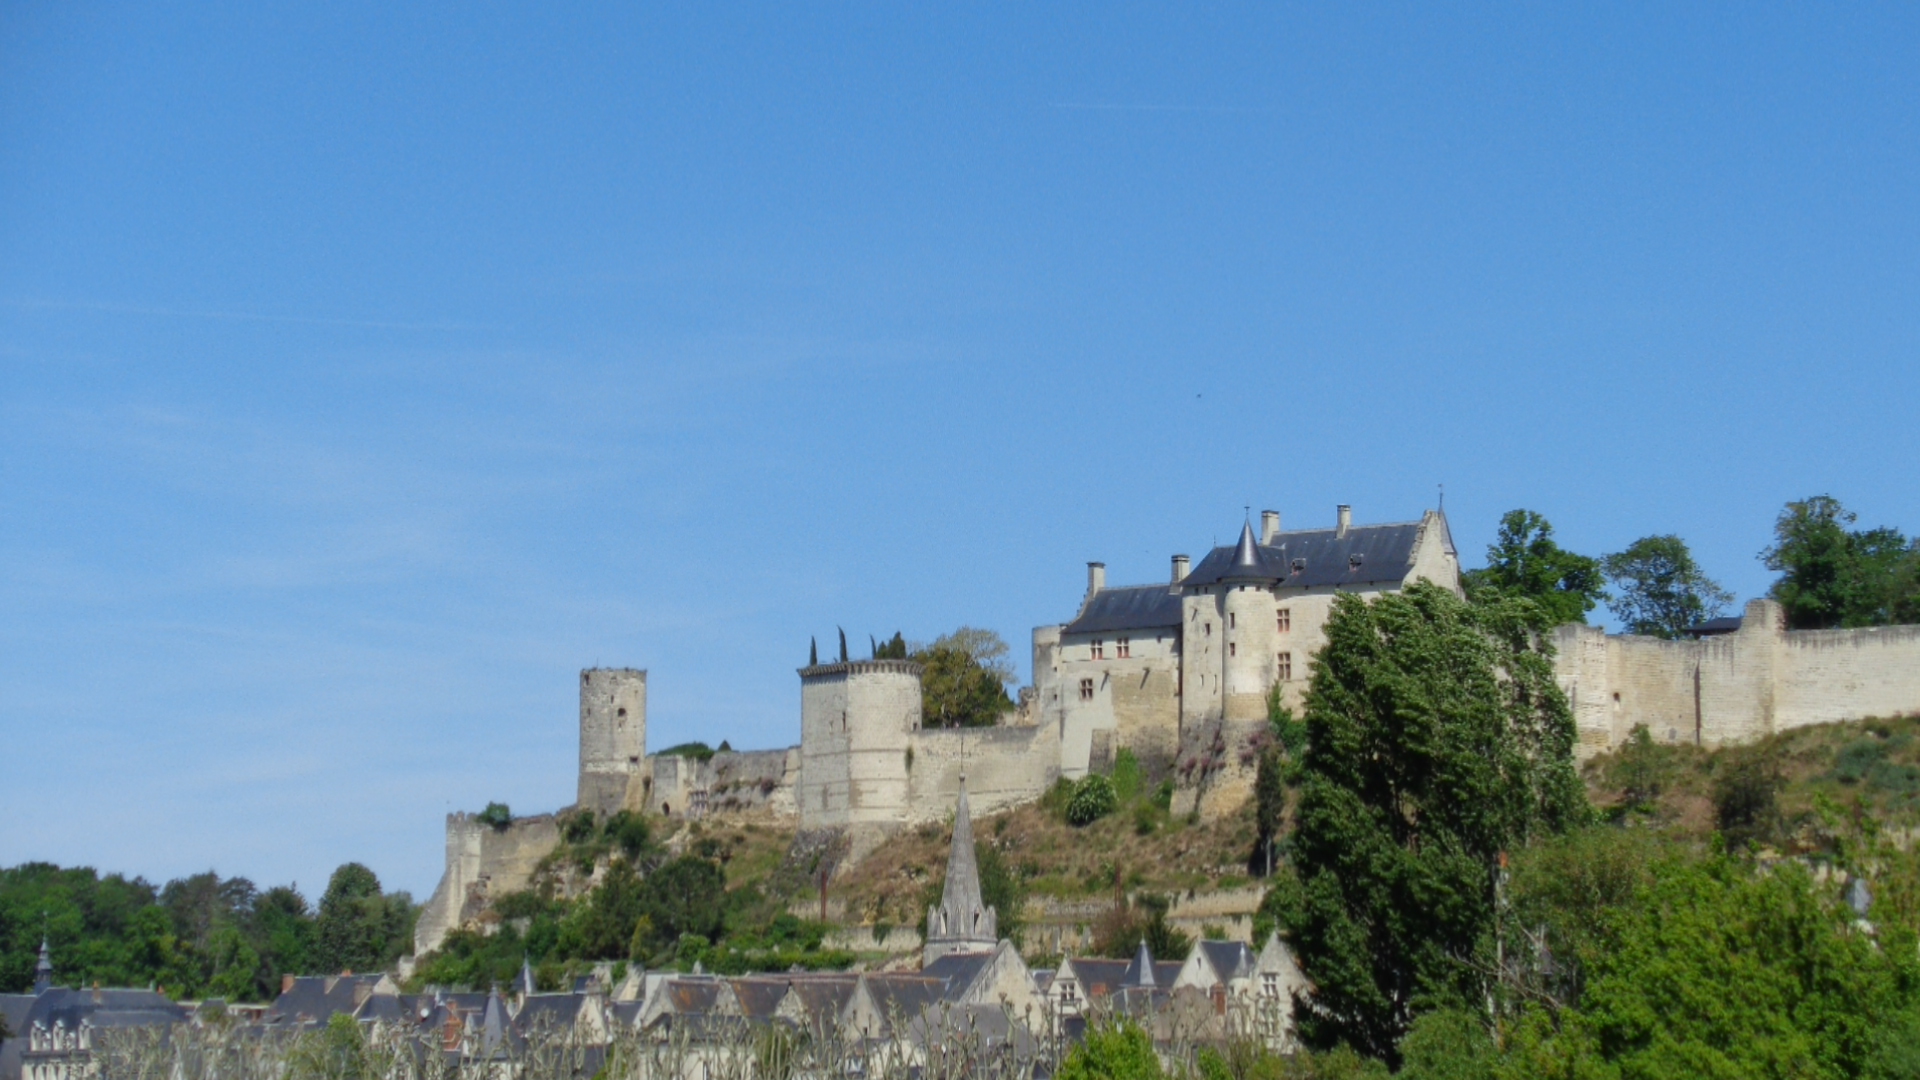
<point>1354,560</point>
<point>1299,566</point>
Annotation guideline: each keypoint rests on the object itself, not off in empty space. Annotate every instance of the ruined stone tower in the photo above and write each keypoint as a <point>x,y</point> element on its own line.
<point>613,739</point>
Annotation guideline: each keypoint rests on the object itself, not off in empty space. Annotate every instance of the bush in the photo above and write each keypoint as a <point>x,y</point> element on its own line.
<point>1093,799</point>
<point>1856,759</point>
<point>1745,797</point>
<point>578,828</point>
<point>496,814</point>
<point>1121,1052</point>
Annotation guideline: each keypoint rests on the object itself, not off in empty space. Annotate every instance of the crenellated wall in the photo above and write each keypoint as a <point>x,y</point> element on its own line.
<point>1733,688</point>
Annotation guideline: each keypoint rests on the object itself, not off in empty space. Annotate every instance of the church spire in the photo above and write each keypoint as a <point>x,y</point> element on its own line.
<point>963,923</point>
<point>43,971</point>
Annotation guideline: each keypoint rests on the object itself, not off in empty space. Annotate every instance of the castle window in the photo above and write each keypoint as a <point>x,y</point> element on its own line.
<point>1232,620</point>
<point>1233,649</point>
<point>1123,648</point>
<point>1286,666</point>
<point>620,712</point>
<point>1086,689</point>
<point>1099,649</point>
<point>1207,627</point>
<point>1284,618</point>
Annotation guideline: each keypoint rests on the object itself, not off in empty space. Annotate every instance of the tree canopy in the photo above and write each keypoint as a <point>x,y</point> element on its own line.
<point>1437,740</point>
<point>966,678</point>
<point>197,936</point>
<point>1832,576</point>
<point>1525,561</point>
<point>1659,589</point>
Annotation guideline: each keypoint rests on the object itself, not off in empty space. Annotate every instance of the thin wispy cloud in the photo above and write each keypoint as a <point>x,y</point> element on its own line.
<point>233,316</point>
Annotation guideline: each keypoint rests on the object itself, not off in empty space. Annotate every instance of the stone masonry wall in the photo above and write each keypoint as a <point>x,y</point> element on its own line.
<point>484,862</point>
<point>1004,766</point>
<point>613,738</point>
<point>1737,687</point>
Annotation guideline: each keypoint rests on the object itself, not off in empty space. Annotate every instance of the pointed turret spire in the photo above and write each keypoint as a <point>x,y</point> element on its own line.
<point>1248,553</point>
<point>43,971</point>
<point>1140,972</point>
<point>963,923</point>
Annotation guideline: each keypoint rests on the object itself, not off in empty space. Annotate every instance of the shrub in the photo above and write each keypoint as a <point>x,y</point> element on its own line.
<point>496,814</point>
<point>1121,1052</point>
<point>1745,797</point>
<point>1093,799</point>
<point>698,751</point>
<point>1856,759</point>
<point>579,828</point>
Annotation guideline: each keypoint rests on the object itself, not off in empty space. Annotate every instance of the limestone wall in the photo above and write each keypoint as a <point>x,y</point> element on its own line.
<point>1005,767</point>
<point>728,782</point>
<point>1737,687</point>
<point>483,862</point>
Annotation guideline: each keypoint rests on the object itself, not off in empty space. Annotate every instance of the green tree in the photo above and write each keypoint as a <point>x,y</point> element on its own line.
<point>1122,1051</point>
<point>1525,561</point>
<point>1832,576</point>
<point>894,648</point>
<point>966,678</point>
<point>685,896</point>
<point>359,928</point>
<point>1659,589</point>
<point>1437,740</point>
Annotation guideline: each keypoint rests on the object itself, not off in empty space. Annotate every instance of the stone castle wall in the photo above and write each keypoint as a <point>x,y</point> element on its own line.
<point>484,862</point>
<point>728,782</point>
<point>1733,688</point>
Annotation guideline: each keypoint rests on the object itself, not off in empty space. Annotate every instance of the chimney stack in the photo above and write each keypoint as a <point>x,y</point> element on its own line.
<point>1096,577</point>
<point>286,984</point>
<point>1346,520</point>
<point>1179,569</point>
<point>1269,525</point>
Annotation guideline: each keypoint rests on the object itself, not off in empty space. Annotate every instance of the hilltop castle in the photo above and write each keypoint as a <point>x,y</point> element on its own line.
<point>1178,673</point>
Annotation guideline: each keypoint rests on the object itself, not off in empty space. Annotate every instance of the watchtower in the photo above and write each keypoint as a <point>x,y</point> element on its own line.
<point>613,738</point>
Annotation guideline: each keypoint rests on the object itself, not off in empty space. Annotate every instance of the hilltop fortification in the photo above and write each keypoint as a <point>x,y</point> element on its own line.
<point>1178,673</point>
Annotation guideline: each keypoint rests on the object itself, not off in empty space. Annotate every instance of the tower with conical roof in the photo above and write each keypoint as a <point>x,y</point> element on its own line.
<point>962,923</point>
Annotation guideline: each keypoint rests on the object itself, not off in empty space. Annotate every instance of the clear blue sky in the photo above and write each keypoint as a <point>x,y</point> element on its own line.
<point>365,373</point>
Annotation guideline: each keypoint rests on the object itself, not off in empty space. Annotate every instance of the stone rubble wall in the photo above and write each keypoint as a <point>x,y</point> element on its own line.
<point>484,862</point>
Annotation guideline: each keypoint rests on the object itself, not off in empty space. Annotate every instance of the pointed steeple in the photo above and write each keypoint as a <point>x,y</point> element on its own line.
<point>963,923</point>
<point>43,971</point>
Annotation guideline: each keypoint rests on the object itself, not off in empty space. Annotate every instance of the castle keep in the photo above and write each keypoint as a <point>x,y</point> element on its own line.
<point>1176,672</point>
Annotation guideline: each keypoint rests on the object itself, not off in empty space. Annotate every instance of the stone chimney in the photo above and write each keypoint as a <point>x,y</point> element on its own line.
<point>286,984</point>
<point>1179,569</point>
<point>1346,521</point>
<point>1096,577</point>
<point>1269,525</point>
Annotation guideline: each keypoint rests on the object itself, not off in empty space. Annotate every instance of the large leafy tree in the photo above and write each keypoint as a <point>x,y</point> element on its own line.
<point>965,681</point>
<point>1833,576</point>
<point>360,928</point>
<point>1659,589</point>
<point>1437,740</point>
<point>1525,561</point>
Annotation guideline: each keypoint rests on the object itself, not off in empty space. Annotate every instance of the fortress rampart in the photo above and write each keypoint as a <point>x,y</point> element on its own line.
<point>1737,687</point>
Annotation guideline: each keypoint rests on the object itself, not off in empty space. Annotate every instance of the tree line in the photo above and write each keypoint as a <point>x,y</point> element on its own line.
<point>1831,575</point>
<point>197,936</point>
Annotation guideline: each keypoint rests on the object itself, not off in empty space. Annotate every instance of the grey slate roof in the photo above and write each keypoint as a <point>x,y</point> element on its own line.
<point>1133,607</point>
<point>1229,959</point>
<point>1324,556</point>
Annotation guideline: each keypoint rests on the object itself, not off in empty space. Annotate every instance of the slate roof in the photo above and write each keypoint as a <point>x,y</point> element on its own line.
<point>1229,959</point>
<point>824,998</point>
<point>315,998</point>
<point>957,971</point>
<point>1131,607</point>
<point>759,998</point>
<point>904,995</point>
<point>1325,557</point>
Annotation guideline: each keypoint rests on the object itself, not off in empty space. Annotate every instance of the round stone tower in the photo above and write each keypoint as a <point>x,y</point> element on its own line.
<point>613,738</point>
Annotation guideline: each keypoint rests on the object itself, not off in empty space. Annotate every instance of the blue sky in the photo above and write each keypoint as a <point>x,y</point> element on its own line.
<point>364,373</point>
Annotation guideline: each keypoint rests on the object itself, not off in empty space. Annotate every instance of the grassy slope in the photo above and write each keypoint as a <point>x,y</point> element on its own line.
<point>1868,770</point>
